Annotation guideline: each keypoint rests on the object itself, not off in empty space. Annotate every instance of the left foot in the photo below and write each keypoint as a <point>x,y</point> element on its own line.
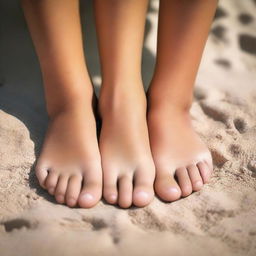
<point>183,162</point>
<point>128,167</point>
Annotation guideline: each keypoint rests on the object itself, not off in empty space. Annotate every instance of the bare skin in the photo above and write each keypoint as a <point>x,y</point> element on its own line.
<point>128,168</point>
<point>183,163</point>
<point>69,165</point>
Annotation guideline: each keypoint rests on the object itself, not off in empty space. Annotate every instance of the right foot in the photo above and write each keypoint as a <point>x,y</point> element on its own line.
<point>128,167</point>
<point>69,166</point>
<point>183,162</point>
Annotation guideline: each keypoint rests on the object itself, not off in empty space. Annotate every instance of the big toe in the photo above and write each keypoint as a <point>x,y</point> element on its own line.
<point>142,195</point>
<point>167,188</point>
<point>90,194</point>
<point>143,191</point>
<point>92,187</point>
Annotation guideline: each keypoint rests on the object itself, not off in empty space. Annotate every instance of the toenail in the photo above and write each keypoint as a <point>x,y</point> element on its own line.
<point>60,198</point>
<point>87,197</point>
<point>174,190</point>
<point>71,201</point>
<point>113,197</point>
<point>142,194</point>
<point>199,184</point>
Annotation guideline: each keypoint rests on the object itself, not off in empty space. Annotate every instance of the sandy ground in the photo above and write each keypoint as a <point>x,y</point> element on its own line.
<point>219,220</point>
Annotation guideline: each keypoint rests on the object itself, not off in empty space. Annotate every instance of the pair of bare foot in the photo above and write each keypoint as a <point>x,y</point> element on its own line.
<point>145,146</point>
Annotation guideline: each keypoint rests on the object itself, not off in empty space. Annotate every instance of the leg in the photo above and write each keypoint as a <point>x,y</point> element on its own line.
<point>177,150</point>
<point>69,164</point>
<point>124,142</point>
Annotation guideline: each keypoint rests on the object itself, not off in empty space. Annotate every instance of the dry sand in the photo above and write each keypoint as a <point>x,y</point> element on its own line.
<point>219,220</point>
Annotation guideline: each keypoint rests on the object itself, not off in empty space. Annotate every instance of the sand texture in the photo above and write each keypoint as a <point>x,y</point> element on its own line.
<point>219,220</point>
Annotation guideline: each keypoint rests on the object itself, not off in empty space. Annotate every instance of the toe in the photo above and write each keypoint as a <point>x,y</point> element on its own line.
<point>91,190</point>
<point>166,187</point>
<point>110,186</point>
<point>61,188</point>
<point>195,177</point>
<point>184,181</point>
<point>143,191</point>
<point>41,174</point>
<point>125,191</point>
<point>90,194</point>
<point>51,182</point>
<point>73,190</point>
<point>205,171</point>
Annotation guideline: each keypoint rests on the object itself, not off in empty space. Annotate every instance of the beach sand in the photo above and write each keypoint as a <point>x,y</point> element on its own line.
<point>219,220</point>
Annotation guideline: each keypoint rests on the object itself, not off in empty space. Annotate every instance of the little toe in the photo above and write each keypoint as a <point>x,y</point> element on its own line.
<point>143,191</point>
<point>195,177</point>
<point>41,174</point>
<point>166,187</point>
<point>205,171</point>
<point>110,187</point>
<point>125,191</point>
<point>51,182</point>
<point>73,190</point>
<point>184,181</point>
<point>61,188</point>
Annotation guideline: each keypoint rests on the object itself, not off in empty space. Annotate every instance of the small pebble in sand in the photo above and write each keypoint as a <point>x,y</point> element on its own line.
<point>243,169</point>
<point>231,132</point>
<point>252,165</point>
<point>218,136</point>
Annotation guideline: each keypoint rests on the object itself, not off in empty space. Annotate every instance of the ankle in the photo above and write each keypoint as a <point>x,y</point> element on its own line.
<point>169,100</point>
<point>117,96</point>
<point>168,107</point>
<point>74,105</point>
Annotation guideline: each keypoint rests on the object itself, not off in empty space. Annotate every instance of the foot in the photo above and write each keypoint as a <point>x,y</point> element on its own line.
<point>128,168</point>
<point>183,162</point>
<point>69,166</point>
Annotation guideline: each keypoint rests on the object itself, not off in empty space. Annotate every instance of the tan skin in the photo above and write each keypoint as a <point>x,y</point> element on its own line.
<point>127,163</point>
<point>177,149</point>
<point>72,165</point>
<point>69,166</point>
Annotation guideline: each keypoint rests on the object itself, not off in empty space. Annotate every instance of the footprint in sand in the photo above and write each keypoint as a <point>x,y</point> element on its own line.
<point>240,125</point>
<point>17,224</point>
<point>219,158</point>
<point>215,112</point>
<point>146,219</point>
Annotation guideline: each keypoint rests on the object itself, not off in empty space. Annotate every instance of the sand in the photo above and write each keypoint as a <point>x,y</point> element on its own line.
<point>219,220</point>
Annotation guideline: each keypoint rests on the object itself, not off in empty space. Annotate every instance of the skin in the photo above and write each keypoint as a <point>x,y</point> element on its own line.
<point>69,166</point>
<point>128,168</point>
<point>183,162</point>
